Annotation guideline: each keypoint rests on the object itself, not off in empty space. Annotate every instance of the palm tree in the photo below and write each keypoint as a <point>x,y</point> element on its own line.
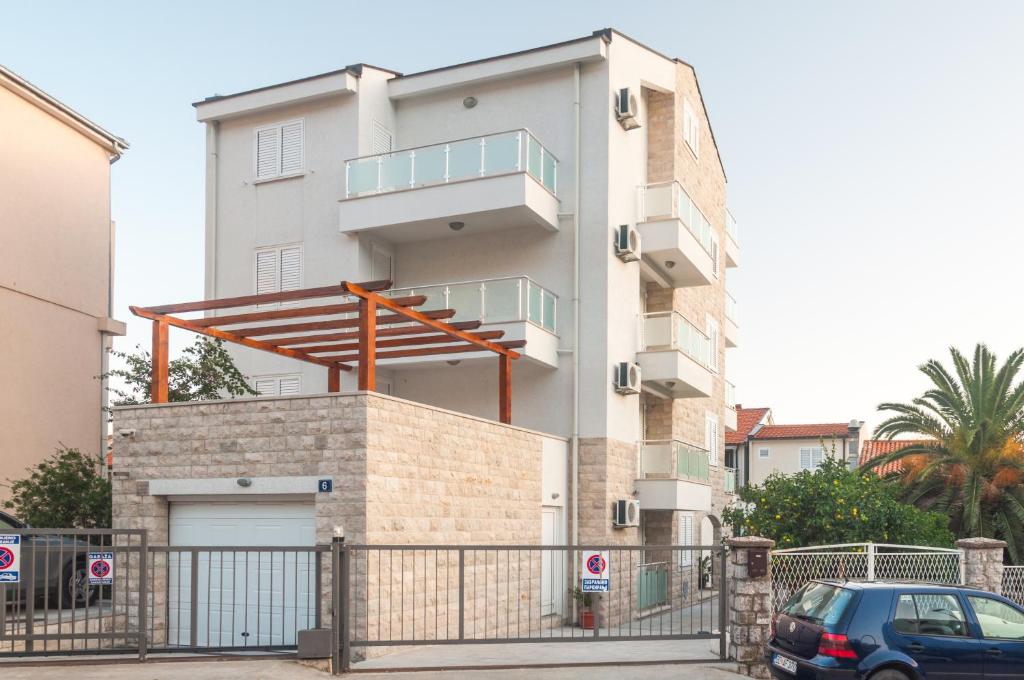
<point>972,465</point>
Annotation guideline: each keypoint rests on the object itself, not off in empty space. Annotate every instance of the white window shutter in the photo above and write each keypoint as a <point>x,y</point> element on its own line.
<point>685,538</point>
<point>381,140</point>
<point>265,387</point>
<point>712,326</point>
<point>290,384</point>
<point>805,459</point>
<point>267,280</point>
<point>268,152</point>
<point>292,147</point>
<point>291,268</point>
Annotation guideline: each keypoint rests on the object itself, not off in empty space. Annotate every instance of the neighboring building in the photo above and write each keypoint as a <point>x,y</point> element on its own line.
<point>364,173</point>
<point>57,241</point>
<point>759,447</point>
<point>873,448</point>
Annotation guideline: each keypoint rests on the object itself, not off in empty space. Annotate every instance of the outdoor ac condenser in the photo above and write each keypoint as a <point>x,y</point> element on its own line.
<point>627,513</point>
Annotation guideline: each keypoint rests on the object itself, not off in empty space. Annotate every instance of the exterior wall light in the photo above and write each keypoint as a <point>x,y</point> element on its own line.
<point>456,226</point>
<point>243,482</point>
<point>469,102</point>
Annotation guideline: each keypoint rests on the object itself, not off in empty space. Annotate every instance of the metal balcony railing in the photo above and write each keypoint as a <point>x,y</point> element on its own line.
<point>669,200</point>
<point>731,228</point>
<point>500,153</point>
<point>673,459</point>
<point>498,300</point>
<point>730,395</point>
<point>671,330</point>
<point>731,312</point>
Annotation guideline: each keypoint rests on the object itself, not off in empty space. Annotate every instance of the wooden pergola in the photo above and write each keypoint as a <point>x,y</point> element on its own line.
<point>362,326</point>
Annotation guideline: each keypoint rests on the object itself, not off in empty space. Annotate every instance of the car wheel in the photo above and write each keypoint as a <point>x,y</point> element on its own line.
<point>889,674</point>
<point>77,591</point>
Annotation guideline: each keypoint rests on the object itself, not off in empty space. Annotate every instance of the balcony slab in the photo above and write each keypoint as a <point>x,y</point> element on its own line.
<point>672,254</point>
<point>674,375</point>
<point>673,494</point>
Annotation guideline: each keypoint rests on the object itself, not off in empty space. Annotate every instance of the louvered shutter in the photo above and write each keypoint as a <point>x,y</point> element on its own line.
<point>289,385</point>
<point>291,268</point>
<point>267,279</point>
<point>382,140</point>
<point>805,459</point>
<point>268,152</point>
<point>265,387</point>
<point>685,538</point>
<point>712,326</point>
<point>292,144</point>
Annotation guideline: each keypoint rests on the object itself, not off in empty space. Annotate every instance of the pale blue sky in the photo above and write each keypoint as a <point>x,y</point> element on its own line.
<point>872,150</point>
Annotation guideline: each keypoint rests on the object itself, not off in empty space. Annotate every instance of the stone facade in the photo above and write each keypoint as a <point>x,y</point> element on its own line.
<point>983,563</point>
<point>750,607</point>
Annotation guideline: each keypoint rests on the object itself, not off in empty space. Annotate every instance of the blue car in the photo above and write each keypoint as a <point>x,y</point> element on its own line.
<point>853,630</point>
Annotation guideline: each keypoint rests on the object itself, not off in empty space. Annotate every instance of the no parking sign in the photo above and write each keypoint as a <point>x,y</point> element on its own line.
<point>595,571</point>
<point>101,568</point>
<point>10,558</point>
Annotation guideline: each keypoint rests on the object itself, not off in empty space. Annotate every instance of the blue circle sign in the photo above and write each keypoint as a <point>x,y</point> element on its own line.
<point>596,564</point>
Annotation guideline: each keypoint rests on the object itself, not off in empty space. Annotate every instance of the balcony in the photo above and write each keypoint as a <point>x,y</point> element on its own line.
<point>516,305</point>
<point>469,186</point>
<point>676,241</point>
<point>674,475</point>
<point>732,241</point>
<point>730,480</point>
<point>731,329</point>
<point>730,406</point>
<point>675,357</point>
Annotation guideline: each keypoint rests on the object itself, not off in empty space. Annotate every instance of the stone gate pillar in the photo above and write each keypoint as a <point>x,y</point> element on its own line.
<point>983,563</point>
<point>750,605</point>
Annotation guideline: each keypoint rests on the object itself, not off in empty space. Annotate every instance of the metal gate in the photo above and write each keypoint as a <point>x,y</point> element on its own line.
<point>59,607</point>
<point>793,567</point>
<point>402,595</point>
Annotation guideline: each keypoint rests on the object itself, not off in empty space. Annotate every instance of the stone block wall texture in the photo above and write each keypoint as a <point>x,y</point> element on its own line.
<point>404,473</point>
<point>983,563</point>
<point>750,607</point>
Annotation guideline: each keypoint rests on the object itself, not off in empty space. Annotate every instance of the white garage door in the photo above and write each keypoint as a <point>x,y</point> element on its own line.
<point>243,598</point>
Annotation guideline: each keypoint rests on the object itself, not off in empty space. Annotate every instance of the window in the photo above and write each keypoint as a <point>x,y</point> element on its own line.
<point>820,603</point>
<point>691,128</point>
<point>811,457</point>
<point>712,329</point>
<point>381,141</point>
<point>998,619</point>
<point>685,538</point>
<point>278,269</point>
<point>764,452</point>
<point>277,385</point>
<point>929,614</point>
<point>711,437</point>
<point>714,256</point>
<point>279,149</point>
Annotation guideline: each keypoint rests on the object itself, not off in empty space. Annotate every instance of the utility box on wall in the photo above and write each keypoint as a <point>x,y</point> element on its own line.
<point>757,562</point>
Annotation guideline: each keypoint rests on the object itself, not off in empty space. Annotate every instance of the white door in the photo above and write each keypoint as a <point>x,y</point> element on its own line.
<point>552,562</point>
<point>244,598</point>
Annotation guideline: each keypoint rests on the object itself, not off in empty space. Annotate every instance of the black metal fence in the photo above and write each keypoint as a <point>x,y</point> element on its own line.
<point>399,595</point>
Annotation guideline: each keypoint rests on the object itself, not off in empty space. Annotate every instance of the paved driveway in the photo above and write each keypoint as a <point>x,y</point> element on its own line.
<point>270,669</point>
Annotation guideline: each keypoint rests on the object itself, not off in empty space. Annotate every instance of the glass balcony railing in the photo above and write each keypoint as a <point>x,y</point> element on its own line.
<point>669,199</point>
<point>730,480</point>
<point>673,459</point>
<point>730,308</point>
<point>730,395</point>
<point>670,330</point>
<point>491,300</point>
<point>731,228</point>
<point>497,154</point>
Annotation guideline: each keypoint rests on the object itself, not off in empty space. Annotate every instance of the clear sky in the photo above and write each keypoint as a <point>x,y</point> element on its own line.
<point>872,148</point>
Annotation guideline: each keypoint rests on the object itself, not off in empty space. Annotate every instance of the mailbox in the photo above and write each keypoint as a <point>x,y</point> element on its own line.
<point>757,562</point>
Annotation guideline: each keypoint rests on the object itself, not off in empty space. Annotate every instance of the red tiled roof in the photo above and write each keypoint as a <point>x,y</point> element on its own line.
<point>803,431</point>
<point>873,448</point>
<point>746,420</point>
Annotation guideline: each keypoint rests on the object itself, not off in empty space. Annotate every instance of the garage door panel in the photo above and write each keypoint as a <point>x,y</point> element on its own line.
<point>244,598</point>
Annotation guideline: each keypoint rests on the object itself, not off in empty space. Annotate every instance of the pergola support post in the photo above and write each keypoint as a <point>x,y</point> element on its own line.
<point>158,382</point>
<point>367,345</point>
<point>334,379</point>
<point>505,388</point>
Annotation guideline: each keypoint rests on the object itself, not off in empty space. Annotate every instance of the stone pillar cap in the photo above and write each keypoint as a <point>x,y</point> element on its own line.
<point>980,542</point>
<point>750,542</point>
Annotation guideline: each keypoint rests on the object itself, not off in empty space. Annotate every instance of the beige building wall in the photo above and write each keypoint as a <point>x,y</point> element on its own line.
<point>55,280</point>
<point>784,455</point>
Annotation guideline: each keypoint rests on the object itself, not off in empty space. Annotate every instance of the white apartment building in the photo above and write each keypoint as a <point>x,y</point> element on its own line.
<point>571,195</point>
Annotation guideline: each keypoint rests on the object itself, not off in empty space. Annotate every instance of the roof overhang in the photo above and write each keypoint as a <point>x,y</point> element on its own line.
<point>62,112</point>
<point>587,49</point>
<point>309,89</point>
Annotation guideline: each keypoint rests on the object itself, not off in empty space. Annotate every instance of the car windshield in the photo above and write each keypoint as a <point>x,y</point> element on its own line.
<point>818,602</point>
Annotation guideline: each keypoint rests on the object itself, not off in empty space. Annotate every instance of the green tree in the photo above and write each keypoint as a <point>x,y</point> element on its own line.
<point>974,469</point>
<point>832,504</point>
<point>205,370</point>
<point>65,490</point>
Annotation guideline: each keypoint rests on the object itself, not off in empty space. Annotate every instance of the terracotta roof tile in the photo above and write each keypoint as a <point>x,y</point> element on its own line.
<point>873,448</point>
<point>803,431</point>
<point>746,420</point>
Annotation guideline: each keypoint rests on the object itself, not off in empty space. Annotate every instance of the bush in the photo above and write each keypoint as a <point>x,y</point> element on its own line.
<point>833,505</point>
<point>65,490</point>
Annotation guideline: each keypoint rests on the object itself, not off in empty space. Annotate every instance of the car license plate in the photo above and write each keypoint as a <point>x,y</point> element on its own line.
<point>785,664</point>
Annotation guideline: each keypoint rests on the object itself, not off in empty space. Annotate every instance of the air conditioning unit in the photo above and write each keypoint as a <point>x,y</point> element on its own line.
<point>627,243</point>
<point>627,378</point>
<point>625,110</point>
<point>627,513</point>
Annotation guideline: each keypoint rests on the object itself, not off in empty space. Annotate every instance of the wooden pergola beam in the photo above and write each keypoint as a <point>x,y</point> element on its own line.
<point>428,351</point>
<point>297,341</point>
<point>383,320</point>
<point>261,298</point>
<point>297,312</point>
<point>398,342</point>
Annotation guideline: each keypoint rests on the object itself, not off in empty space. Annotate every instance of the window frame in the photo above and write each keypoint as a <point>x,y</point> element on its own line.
<point>977,621</point>
<point>685,557</point>
<point>966,635</point>
<point>811,449</point>
<point>767,452</point>
<point>279,126</point>
<point>277,378</point>
<point>278,250</point>
<point>691,128</point>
